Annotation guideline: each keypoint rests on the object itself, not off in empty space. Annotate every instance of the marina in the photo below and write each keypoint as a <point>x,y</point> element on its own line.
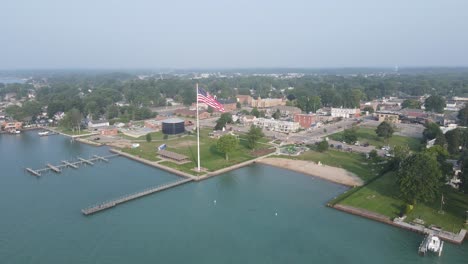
<point>73,164</point>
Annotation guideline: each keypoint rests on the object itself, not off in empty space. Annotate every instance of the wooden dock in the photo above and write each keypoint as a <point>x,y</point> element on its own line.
<point>101,158</point>
<point>109,204</point>
<point>33,172</point>
<point>72,164</point>
<point>53,168</point>
<point>86,161</point>
<point>69,164</point>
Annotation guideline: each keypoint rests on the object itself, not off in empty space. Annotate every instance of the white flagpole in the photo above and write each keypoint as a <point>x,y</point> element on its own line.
<point>198,132</point>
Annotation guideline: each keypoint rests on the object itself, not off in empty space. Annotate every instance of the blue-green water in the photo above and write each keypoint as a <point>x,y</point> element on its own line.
<point>261,215</point>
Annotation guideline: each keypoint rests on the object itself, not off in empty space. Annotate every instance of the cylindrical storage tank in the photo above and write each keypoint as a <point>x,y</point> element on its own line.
<point>173,126</point>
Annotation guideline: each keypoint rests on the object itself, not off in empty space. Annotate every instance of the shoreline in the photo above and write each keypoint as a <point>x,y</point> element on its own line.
<point>329,173</point>
<point>444,235</point>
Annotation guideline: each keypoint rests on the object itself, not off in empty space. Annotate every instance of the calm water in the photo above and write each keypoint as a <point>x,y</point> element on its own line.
<point>41,221</point>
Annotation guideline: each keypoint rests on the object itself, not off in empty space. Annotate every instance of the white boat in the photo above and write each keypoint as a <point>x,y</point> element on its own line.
<point>43,133</point>
<point>15,132</point>
<point>435,244</point>
<point>431,243</point>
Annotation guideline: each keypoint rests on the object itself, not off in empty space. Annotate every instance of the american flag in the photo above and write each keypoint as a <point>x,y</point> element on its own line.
<point>205,97</point>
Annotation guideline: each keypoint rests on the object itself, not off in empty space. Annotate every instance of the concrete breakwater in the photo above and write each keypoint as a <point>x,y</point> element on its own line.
<point>444,235</point>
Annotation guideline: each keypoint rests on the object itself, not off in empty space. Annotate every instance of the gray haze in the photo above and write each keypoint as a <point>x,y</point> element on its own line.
<point>229,34</point>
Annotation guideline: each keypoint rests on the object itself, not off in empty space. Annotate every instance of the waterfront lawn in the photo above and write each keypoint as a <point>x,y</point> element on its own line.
<point>369,135</point>
<point>382,196</point>
<point>353,162</point>
<point>146,151</point>
<point>211,158</point>
<point>454,211</point>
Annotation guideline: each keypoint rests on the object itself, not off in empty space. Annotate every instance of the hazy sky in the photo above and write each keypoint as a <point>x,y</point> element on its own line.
<point>230,34</point>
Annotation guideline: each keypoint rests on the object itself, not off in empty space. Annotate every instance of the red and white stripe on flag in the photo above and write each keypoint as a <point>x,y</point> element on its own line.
<point>205,97</point>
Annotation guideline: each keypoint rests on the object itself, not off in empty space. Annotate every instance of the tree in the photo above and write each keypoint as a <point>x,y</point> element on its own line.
<point>431,131</point>
<point>350,135</point>
<point>255,112</point>
<point>238,105</point>
<point>322,146</point>
<point>453,139</point>
<point>148,137</point>
<point>227,144</point>
<point>435,103</point>
<point>411,103</point>
<point>399,153</point>
<point>369,109</point>
<point>225,118</point>
<point>384,130</point>
<point>210,109</point>
<point>255,133</point>
<point>276,114</point>
<point>463,116</point>
<point>419,178</point>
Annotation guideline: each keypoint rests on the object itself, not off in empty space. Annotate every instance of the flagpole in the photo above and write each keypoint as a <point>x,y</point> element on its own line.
<point>198,132</point>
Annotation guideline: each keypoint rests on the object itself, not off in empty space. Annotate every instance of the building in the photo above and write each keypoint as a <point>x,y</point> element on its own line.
<point>285,110</point>
<point>267,102</point>
<point>11,126</point>
<point>277,125</point>
<point>93,124</point>
<point>248,120</point>
<point>173,126</point>
<point>345,112</point>
<point>389,117</point>
<point>153,124</point>
<point>305,120</point>
<point>202,114</point>
<point>229,105</point>
<point>108,131</point>
<point>244,99</point>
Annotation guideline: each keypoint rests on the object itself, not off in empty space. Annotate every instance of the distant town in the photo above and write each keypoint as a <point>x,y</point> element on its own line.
<point>388,134</point>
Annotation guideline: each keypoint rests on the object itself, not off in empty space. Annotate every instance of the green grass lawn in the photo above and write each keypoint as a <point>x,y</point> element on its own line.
<point>382,196</point>
<point>352,162</point>
<point>146,151</point>
<point>211,158</point>
<point>369,135</point>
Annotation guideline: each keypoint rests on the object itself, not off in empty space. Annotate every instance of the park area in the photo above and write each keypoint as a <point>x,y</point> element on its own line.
<point>382,196</point>
<point>211,158</point>
<point>368,135</point>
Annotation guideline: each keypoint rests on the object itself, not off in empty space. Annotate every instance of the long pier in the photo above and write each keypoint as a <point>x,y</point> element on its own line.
<point>112,203</point>
<point>73,164</point>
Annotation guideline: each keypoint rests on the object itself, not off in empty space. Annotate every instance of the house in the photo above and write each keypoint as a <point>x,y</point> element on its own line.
<point>305,120</point>
<point>248,120</point>
<point>277,125</point>
<point>267,102</point>
<point>59,116</point>
<point>10,126</point>
<point>345,112</point>
<point>93,124</point>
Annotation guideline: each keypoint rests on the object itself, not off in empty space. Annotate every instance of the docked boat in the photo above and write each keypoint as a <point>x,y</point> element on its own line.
<point>15,132</point>
<point>431,243</point>
<point>43,133</point>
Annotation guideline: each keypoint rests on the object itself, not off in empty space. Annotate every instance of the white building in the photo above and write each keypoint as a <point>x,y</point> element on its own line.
<point>345,112</point>
<point>97,124</point>
<point>277,125</point>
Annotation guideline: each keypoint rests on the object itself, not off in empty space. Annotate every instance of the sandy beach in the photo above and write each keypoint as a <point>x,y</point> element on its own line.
<point>329,173</point>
